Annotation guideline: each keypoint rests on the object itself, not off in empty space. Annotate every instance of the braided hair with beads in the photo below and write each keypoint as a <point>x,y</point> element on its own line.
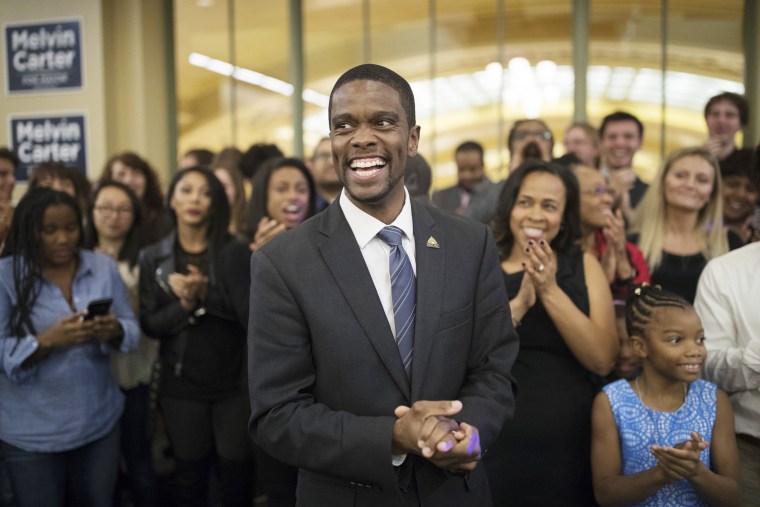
<point>643,302</point>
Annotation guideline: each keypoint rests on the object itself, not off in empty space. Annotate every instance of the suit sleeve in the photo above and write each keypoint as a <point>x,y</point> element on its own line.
<point>488,392</point>
<point>286,420</point>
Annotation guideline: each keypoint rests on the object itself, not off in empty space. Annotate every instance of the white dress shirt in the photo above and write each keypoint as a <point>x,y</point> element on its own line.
<point>375,251</point>
<point>728,304</point>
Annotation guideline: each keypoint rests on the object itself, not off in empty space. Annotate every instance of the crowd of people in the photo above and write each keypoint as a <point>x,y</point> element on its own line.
<point>631,302</point>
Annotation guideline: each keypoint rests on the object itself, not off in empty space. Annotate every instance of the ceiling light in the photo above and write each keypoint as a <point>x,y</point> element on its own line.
<point>255,78</point>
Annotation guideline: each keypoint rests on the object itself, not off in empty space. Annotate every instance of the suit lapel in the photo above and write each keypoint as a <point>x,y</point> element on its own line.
<point>430,284</point>
<point>346,263</point>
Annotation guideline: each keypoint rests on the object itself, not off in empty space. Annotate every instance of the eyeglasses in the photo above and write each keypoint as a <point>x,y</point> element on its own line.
<point>523,134</point>
<point>600,191</point>
<point>110,210</point>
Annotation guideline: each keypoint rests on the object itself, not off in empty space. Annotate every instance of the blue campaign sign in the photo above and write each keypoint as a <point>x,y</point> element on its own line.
<point>44,56</point>
<point>38,139</point>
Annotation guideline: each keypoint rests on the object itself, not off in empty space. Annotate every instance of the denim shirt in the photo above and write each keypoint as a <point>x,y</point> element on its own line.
<point>69,398</point>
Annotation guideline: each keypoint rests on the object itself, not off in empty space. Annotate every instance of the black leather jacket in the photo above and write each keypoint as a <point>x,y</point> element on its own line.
<point>202,350</point>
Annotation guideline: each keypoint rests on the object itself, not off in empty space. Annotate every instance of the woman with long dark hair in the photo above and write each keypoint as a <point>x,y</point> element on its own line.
<point>113,229</point>
<point>60,408</point>
<point>283,196</point>
<point>202,352</point>
<point>562,307</point>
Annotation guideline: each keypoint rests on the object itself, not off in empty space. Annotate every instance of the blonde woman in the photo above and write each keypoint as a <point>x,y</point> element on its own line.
<point>679,223</point>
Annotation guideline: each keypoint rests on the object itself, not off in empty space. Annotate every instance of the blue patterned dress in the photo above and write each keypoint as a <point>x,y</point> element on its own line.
<point>640,427</point>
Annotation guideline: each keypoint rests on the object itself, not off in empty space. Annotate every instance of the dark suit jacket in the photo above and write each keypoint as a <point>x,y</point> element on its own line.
<point>447,198</point>
<point>325,371</point>
<point>483,202</point>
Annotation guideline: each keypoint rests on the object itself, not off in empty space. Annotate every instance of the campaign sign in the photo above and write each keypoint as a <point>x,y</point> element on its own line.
<point>38,139</point>
<point>44,56</point>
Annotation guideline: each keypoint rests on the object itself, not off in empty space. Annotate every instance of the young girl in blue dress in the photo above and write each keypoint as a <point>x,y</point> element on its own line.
<point>665,438</point>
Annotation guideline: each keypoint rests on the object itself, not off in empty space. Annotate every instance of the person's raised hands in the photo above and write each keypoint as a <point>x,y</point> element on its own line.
<point>681,461</point>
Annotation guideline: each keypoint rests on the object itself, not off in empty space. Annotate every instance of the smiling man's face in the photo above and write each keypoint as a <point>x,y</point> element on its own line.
<point>371,140</point>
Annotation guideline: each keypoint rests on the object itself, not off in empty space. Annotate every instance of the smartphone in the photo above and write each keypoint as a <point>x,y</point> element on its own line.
<point>98,307</point>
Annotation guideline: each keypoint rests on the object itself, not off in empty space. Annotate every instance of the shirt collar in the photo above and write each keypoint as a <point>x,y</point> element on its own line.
<point>365,226</point>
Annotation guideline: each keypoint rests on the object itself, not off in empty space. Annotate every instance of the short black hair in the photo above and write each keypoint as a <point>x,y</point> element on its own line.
<point>739,101</point>
<point>568,160</point>
<point>418,176</point>
<point>256,156</point>
<point>372,72</point>
<point>11,156</point>
<point>202,156</point>
<point>568,239</point>
<point>621,116</point>
<point>740,163</point>
<point>470,146</point>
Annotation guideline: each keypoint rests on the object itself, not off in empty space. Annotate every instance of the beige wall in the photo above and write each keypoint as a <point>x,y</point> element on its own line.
<point>125,69</point>
<point>136,80</point>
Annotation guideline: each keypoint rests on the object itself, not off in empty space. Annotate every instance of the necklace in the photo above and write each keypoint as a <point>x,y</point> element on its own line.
<point>641,397</point>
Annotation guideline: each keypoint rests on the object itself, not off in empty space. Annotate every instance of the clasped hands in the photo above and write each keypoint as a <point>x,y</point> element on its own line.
<point>426,429</point>
<point>681,461</point>
<point>190,289</point>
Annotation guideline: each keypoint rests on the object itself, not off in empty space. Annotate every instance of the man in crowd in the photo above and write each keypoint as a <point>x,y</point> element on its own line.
<point>621,135</point>
<point>726,115</point>
<point>529,138</point>
<point>350,339</point>
<point>470,196</point>
<point>323,171</point>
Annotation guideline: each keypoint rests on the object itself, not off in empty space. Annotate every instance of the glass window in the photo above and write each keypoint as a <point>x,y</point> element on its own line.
<point>475,66</point>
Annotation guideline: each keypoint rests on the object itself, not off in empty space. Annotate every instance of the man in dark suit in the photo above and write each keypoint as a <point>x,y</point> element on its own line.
<point>340,381</point>
<point>472,195</point>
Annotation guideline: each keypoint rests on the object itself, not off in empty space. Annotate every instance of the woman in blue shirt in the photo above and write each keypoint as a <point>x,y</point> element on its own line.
<point>59,403</point>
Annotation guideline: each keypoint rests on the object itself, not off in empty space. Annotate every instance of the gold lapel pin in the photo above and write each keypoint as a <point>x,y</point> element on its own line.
<point>432,243</point>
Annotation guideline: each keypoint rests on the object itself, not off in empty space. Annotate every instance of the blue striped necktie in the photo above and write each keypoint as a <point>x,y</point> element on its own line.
<point>404,292</point>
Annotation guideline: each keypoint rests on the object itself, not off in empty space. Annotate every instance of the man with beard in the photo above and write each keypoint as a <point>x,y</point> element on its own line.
<point>621,135</point>
<point>349,337</point>
<point>323,171</point>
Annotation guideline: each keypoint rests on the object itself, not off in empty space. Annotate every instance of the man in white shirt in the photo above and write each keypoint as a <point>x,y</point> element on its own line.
<point>728,299</point>
<point>339,387</point>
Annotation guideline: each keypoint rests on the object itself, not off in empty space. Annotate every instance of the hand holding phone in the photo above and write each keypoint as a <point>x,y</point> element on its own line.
<point>97,308</point>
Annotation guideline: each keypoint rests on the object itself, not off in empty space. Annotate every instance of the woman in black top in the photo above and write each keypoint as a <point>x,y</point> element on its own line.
<point>202,353</point>
<point>562,308</point>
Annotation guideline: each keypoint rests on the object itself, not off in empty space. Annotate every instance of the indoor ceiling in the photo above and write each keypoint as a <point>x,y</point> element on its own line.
<point>625,56</point>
